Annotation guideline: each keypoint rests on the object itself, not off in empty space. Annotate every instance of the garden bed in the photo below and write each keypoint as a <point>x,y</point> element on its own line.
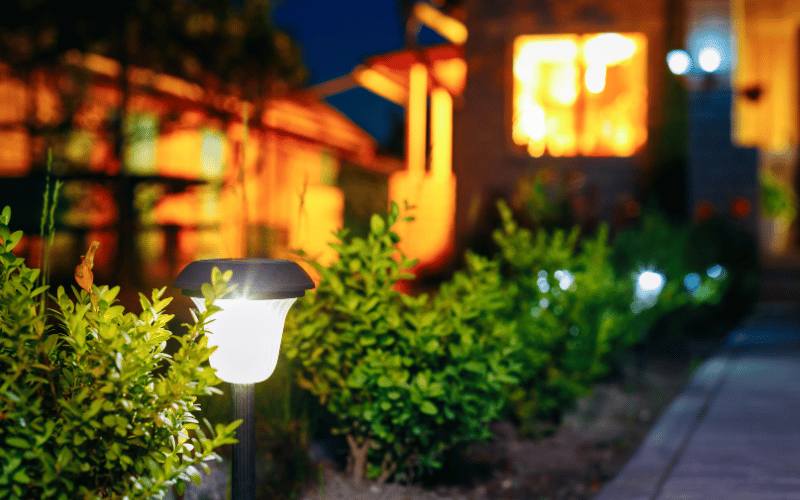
<point>587,451</point>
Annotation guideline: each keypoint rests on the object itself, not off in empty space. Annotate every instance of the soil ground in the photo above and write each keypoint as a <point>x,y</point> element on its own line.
<point>587,450</point>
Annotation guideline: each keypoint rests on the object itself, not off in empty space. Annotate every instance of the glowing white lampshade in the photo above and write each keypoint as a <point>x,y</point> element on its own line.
<point>247,334</point>
<point>247,330</point>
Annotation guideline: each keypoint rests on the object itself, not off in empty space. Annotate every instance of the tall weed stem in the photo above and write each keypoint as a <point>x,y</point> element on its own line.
<point>49,204</point>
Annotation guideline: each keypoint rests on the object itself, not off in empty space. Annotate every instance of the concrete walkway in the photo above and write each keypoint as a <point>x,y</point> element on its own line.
<point>734,433</point>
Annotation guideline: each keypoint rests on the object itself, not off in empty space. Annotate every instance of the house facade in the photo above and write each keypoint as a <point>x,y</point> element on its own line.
<point>182,174</point>
<point>577,94</point>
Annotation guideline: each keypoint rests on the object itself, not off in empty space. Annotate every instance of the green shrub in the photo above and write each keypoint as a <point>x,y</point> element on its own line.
<point>566,311</point>
<point>570,310</point>
<point>92,406</point>
<point>407,379</point>
<point>778,199</point>
<point>687,254</point>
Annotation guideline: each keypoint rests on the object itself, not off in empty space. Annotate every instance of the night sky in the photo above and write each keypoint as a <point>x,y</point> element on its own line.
<point>338,35</point>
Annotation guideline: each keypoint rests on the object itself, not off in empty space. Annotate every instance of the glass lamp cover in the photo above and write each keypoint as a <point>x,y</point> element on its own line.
<point>247,334</point>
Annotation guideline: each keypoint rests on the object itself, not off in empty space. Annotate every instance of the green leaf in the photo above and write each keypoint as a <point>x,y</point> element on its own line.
<point>377,225</point>
<point>475,366</point>
<point>13,239</point>
<point>193,474</point>
<point>17,442</point>
<point>21,477</point>
<point>428,408</point>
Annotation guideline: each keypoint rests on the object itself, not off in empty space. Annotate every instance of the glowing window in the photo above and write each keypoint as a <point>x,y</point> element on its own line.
<point>582,95</point>
<point>212,154</point>
<point>141,142</point>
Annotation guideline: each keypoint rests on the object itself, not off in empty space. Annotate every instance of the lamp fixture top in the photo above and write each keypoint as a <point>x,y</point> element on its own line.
<point>256,279</point>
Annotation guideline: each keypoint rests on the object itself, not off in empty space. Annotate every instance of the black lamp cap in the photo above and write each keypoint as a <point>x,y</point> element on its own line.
<point>258,279</point>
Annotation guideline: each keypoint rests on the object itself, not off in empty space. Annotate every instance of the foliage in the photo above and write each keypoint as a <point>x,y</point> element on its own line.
<point>687,254</point>
<point>404,376</point>
<point>777,198</point>
<point>570,309</point>
<point>92,406</point>
<point>566,310</point>
<point>522,334</point>
<point>542,198</point>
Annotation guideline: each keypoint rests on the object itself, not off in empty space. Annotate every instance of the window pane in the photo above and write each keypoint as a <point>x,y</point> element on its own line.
<point>580,94</point>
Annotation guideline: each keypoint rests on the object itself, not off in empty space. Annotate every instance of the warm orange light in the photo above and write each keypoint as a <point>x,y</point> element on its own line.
<point>178,87</point>
<point>441,133</point>
<point>378,83</point>
<point>101,64</point>
<point>316,214</point>
<point>608,49</point>
<point>449,27</point>
<point>595,78</point>
<point>15,157</point>
<point>430,236</point>
<point>416,117</point>
<point>582,94</point>
<point>451,73</point>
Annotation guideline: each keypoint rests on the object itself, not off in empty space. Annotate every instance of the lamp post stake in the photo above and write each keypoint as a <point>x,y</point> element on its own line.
<point>243,472</point>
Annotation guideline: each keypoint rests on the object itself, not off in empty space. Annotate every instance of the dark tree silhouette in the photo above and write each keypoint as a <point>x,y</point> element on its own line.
<point>230,49</point>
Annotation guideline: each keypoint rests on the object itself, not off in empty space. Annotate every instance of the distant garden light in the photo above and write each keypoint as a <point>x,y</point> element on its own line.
<point>709,59</point>
<point>648,287</point>
<point>247,332</point>
<point>679,62</point>
<point>649,282</point>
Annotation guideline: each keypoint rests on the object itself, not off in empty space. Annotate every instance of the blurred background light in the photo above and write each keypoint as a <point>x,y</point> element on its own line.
<point>565,279</point>
<point>608,49</point>
<point>708,40</point>
<point>716,272</point>
<point>542,283</point>
<point>709,59</point>
<point>679,62</point>
<point>692,281</point>
<point>650,281</point>
<point>648,287</point>
<point>595,78</point>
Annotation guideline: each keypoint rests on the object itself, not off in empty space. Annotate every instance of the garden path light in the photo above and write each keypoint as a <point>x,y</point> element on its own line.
<point>247,332</point>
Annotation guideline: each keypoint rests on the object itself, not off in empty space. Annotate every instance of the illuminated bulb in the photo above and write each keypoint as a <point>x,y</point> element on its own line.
<point>679,62</point>
<point>709,59</point>
<point>247,334</point>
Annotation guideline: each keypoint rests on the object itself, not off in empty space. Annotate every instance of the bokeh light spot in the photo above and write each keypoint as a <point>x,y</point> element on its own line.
<point>679,62</point>
<point>692,281</point>
<point>709,59</point>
